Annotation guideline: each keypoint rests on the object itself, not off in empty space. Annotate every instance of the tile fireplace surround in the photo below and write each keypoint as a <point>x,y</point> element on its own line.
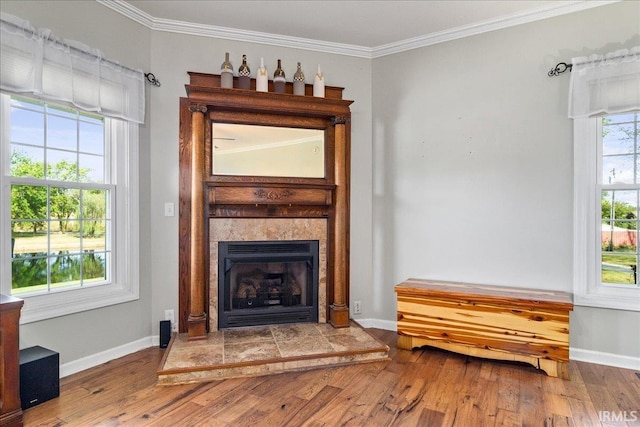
<point>264,229</point>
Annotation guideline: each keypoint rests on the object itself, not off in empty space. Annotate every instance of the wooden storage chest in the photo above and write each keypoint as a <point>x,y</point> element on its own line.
<point>495,322</point>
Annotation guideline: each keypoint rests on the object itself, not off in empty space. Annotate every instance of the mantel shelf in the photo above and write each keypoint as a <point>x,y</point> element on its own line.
<point>213,81</point>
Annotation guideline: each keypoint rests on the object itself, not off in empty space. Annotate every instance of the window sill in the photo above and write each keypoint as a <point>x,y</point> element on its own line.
<point>629,300</point>
<point>43,307</point>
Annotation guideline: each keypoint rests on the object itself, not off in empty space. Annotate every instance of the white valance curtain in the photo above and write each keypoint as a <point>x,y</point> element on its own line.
<point>605,84</point>
<point>33,61</point>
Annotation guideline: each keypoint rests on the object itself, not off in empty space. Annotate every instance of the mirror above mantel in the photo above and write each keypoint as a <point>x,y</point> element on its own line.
<point>268,151</point>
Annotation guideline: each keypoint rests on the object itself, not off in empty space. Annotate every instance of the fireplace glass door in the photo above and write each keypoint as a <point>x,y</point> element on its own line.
<point>267,282</point>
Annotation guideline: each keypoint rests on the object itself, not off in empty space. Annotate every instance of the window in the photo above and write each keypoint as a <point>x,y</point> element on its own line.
<point>618,189</point>
<point>69,198</point>
<point>606,208</point>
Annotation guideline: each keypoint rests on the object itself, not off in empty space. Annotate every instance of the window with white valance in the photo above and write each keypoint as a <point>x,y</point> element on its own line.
<point>604,102</point>
<point>68,173</point>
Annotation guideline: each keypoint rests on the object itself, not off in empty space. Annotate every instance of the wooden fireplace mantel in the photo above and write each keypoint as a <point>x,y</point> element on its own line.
<point>204,195</point>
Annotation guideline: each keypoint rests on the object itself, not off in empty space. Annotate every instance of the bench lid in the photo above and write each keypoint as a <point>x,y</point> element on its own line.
<point>486,293</point>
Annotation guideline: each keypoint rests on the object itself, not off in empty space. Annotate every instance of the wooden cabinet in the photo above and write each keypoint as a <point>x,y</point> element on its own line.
<point>10,408</point>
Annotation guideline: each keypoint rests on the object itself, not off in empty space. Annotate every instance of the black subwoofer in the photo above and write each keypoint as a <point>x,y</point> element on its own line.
<point>165,333</point>
<point>39,376</point>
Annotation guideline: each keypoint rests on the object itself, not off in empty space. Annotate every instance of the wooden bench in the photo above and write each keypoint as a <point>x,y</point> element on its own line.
<point>494,322</point>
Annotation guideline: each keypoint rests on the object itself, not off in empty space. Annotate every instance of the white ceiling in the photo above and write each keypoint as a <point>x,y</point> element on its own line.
<point>361,28</point>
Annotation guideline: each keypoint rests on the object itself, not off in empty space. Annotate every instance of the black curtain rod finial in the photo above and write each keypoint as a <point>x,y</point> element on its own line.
<point>152,79</point>
<point>560,68</point>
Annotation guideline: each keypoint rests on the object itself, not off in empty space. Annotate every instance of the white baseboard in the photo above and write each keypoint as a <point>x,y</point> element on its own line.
<point>609,359</point>
<point>78,365</point>
<point>590,356</point>
<point>387,325</point>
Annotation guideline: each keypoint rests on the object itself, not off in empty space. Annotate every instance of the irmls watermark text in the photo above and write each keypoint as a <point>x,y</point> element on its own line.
<point>619,416</point>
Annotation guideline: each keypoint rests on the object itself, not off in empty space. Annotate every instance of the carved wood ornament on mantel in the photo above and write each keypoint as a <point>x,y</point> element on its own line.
<point>205,196</point>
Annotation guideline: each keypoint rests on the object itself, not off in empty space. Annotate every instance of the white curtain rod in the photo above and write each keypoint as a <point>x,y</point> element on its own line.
<point>562,67</point>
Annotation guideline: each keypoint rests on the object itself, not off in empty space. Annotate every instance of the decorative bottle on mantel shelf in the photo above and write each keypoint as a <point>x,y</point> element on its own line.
<point>318,84</point>
<point>278,79</point>
<point>262,78</point>
<point>298,81</point>
<point>244,74</point>
<point>226,73</point>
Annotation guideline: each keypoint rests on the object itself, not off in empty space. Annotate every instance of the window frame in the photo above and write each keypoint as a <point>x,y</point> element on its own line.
<point>587,286</point>
<point>124,283</point>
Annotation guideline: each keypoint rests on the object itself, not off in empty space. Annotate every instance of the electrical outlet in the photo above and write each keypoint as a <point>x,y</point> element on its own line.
<point>169,315</point>
<point>357,307</point>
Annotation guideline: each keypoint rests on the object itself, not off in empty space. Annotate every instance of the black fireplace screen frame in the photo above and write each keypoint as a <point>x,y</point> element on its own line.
<point>233,253</point>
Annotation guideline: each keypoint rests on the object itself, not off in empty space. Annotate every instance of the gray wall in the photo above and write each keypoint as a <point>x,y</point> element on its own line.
<point>462,162</point>
<point>473,156</point>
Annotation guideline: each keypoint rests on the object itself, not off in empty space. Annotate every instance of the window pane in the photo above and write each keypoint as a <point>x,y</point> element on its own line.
<point>619,268</point>
<point>27,161</point>
<point>626,204</point>
<point>29,272</point>
<point>91,138</point>
<point>29,202</point>
<point>91,168</point>
<point>619,210</point>
<point>62,165</point>
<point>27,127</point>
<point>94,266</point>
<point>29,253</point>
<point>619,236</point>
<point>68,241</point>
<point>618,169</point>
<point>64,205</point>
<point>620,149</point>
<point>618,139</point>
<point>94,235</point>
<point>62,133</point>
<point>65,269</point>
<point>94,204</point>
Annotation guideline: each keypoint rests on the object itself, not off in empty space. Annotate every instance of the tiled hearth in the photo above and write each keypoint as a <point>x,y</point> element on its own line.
<point>265,350</point>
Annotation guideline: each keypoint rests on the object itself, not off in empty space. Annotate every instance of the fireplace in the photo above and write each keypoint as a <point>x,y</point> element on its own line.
<point>274,230</point>
<point>267,282</point>
<point>260,206</point>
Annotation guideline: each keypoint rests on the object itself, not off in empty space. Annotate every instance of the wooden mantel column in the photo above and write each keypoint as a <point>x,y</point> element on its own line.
<point>197,317</point>
<point>339,311</point>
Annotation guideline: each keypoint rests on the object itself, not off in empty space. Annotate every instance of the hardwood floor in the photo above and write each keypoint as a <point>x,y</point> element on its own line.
<point>425,387</point>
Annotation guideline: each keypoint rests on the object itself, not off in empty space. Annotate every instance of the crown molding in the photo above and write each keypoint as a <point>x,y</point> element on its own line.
<point>129,11</point>
<point>544,12</point>
<point>203,30</point>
